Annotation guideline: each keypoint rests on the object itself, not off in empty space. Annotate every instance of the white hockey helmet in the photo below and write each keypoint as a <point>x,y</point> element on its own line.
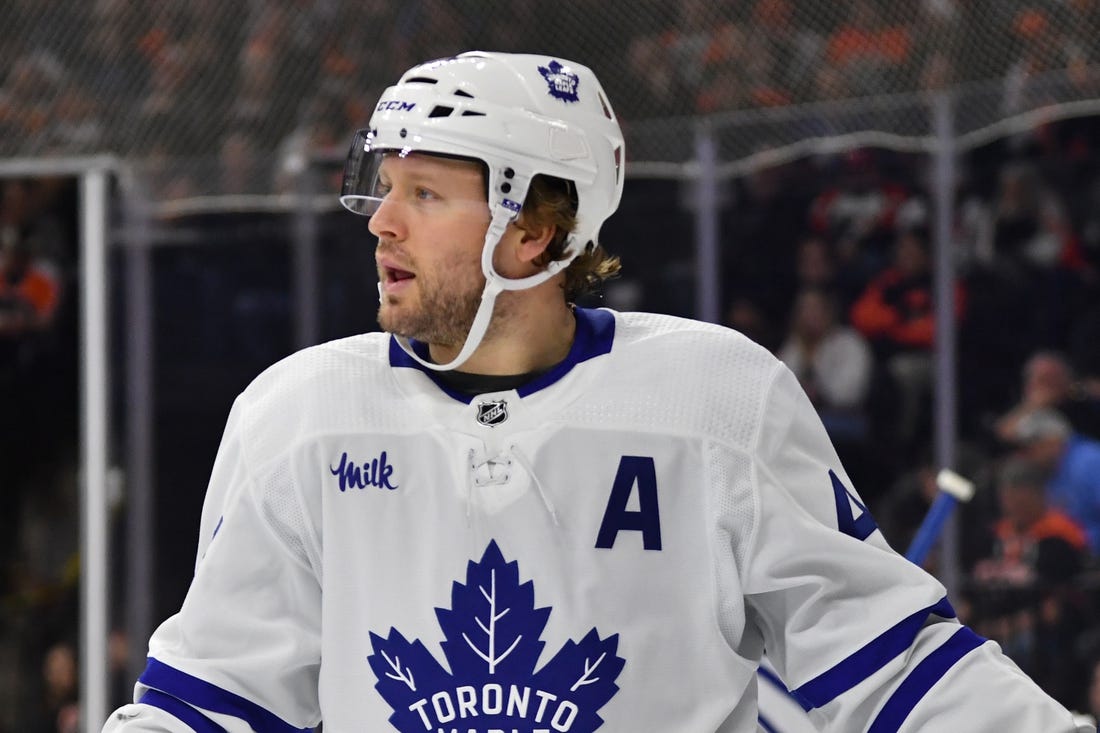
<point>522,115</point>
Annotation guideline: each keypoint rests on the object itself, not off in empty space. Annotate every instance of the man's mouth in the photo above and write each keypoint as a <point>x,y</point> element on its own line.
<point>395,279</point>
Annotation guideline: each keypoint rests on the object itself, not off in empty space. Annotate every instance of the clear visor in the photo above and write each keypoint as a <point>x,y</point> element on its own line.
<point>359,192</point>
<point>458,180</point>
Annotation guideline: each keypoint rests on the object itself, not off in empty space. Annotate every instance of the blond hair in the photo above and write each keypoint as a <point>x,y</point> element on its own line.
<point>553,202</point>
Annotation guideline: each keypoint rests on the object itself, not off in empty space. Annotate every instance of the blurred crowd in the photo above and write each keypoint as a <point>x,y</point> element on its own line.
<point>830,263</point>
<point>39,568</point>
<point>828,260</point>
<point>221,97</point>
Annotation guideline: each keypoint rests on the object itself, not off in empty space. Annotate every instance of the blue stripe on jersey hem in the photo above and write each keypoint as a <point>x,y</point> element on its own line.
<point>927,673</point>
<point>594,337</point>
<point>181,711</point>
<point>208,696</point>
<point>874,656</point>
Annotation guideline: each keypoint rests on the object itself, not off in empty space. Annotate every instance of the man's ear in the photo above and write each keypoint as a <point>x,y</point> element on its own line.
<point>532,240</point>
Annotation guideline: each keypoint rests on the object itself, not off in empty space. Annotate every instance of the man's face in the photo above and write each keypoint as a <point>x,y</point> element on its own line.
<point>1046,381</point>
<point>1046,451</point>
<point>813,316</point>
<point>14,262</point>
<point>1022,505</point>
<point>910,255</point>
<point>431,229</point>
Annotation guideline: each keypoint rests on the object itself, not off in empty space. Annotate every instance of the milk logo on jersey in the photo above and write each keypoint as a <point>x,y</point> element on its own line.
<point>492,412</point>
<point>377,472</point>
<point>492,643</point>
<point>563,82</point>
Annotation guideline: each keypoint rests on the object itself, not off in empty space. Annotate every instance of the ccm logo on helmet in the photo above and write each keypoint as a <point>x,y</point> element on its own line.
<point>395,104</point>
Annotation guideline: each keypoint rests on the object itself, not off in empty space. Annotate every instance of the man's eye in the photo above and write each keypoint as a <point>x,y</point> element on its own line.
<point>382,189</point>
<point>424,194</point>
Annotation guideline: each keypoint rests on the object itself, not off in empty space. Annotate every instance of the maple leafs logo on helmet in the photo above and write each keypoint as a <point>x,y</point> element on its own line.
<point>563,82</point>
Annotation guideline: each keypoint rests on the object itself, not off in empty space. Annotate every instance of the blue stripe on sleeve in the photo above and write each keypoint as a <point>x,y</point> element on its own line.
<point>868,660</point>
<point>772,677</point>
<point>181,711</point>
<point>926,674</point>
<point>766,725</point>
<point>207,696</point>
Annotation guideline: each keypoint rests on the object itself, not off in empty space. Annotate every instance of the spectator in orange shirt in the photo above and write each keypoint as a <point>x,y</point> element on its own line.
<point>895,310</point>
<point>1026,522</point>
<point>896,313</point>
<point>1022,591</point>
<point>28,291</point>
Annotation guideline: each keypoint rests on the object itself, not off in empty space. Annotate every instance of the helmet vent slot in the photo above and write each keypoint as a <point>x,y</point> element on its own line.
<point>422,80</point>
<point>463,93</point>
<point>471,113</point>
<point>441,111</point>
<point>606,106</point>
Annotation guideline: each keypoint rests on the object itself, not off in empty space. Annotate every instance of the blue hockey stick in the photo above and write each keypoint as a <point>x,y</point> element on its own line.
<point>953,489</point>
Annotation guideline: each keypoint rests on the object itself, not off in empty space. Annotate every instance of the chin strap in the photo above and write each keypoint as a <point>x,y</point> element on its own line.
<point>495,283</point>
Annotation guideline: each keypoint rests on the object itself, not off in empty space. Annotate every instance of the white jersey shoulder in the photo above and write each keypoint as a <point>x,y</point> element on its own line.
<point>681,375</point>
<point>340,385</point>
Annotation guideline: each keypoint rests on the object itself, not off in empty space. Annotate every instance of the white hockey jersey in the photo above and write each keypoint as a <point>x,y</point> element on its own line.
<point>612,546</point>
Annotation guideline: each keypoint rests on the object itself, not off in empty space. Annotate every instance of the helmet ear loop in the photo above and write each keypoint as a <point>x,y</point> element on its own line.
<point>505,211</point>
<point>503,215</point>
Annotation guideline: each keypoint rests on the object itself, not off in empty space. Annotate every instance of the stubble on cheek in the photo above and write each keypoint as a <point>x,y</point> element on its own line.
<point>442,308</point>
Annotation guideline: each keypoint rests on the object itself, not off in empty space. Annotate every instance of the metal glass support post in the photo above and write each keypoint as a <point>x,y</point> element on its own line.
<point>140,430</point>
<point>305,271</point>
<point>945,372</point>
<point>708,254</point>
<point>94,588</point>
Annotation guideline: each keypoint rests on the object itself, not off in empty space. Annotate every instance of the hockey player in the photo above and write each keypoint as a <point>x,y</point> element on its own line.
<point>512,515</point>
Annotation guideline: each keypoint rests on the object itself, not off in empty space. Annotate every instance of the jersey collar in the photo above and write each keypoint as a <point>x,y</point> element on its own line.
<point>594,337</point>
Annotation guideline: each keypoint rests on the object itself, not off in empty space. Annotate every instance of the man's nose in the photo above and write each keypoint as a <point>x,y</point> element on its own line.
<point>386,222</point>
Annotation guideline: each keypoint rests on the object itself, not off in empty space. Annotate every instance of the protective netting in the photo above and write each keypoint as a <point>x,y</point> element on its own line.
<point>232,97</point>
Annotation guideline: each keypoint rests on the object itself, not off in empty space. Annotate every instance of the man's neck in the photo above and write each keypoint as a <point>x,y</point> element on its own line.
<point>475,384</point>
<point>526,340</point>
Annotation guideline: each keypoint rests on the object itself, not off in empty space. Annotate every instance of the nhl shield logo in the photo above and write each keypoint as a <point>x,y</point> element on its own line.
<point>563,82</point>
<point>492,412</point>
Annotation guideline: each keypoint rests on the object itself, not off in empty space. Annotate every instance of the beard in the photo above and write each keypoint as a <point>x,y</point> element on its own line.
<point>442,318</point>
<point>444,310</point>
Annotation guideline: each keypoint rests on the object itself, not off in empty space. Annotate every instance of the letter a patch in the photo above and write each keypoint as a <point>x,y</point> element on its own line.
<point>633,471</point>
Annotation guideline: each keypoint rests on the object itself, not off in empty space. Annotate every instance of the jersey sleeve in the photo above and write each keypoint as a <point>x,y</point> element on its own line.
<point>245,645</point>
<point>864,639</point>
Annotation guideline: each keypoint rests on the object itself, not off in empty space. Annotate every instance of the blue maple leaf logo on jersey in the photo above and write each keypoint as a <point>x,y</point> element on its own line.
<point>492,644</point>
